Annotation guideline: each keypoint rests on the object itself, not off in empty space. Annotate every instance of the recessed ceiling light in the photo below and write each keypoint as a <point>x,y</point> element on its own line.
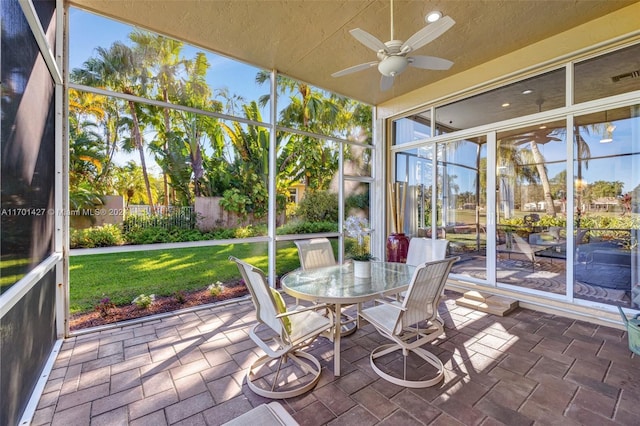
<point>506,104</point>
<point>542,127</point>
<point>433,16</point>
<point>526,92</point>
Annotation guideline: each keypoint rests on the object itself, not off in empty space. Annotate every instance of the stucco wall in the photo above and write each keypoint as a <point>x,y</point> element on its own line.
<point>210,215</point>
<point>620,24</point>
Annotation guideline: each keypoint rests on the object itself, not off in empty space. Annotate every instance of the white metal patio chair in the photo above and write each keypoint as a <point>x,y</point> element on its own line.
<point>282,335</point>
<point>317,253</point>
<point>425,250</point>
<point>523,247</point>
<point>412,323</point>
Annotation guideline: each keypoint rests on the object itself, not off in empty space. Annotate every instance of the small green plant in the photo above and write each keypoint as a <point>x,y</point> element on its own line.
<point>179,296</point>
<point>104,307</point>
<point>143,301</point>
<point>215,289</point>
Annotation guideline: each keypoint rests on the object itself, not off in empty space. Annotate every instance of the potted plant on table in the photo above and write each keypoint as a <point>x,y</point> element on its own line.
<point>358,228</point>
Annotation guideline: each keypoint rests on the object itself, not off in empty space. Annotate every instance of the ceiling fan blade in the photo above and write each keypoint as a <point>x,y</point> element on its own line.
<point>386,83</point>
<point>354,68</point>
<point>368,40</point>
<point>427,34</point>
<point>429,62</point>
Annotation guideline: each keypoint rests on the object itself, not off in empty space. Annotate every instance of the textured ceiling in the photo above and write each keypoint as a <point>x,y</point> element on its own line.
<point>309,39</point>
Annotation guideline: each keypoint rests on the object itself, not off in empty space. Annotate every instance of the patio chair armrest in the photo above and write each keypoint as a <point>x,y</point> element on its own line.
<point>306,308</point>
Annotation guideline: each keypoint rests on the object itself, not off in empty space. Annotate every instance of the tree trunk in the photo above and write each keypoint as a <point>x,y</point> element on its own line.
<point>167,128</point>
<point>198,170</point>
<point>138,138</point>
<point>544,179</point>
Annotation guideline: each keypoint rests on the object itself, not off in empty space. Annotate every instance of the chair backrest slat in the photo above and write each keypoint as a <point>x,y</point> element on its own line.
<point>261,297</point>
<point>425,290</point>
<point>315,253</point>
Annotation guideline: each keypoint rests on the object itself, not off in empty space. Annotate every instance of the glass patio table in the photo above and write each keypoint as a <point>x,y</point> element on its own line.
<point>336,285</point>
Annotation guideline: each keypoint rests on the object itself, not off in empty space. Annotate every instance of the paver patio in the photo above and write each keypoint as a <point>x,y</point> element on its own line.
<point>188,368</point>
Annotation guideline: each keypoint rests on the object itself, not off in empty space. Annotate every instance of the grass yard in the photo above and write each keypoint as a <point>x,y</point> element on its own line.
<point>12,269</point>
<point>123,276</point>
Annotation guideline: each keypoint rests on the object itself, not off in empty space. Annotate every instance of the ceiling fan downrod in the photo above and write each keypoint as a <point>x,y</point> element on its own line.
<point>391,20</point>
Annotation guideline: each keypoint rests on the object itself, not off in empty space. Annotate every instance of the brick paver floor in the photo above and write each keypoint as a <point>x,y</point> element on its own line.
<point>526,368</point>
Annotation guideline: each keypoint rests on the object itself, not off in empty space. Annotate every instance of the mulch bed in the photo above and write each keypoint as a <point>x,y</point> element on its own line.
<point>160,305</point>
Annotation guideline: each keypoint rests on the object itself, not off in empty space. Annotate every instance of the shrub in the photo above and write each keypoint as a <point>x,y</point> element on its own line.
<point>357,202</point>
<point>222,233</point>
<point>152,235</point>
<point>319,206</point>
<point>101,236</point>
<point>236,202</point>
<point>148,236</point>
<point>299,227</point>
<point>176,219</point>
<point>250,231</point>
<point>143,301</point>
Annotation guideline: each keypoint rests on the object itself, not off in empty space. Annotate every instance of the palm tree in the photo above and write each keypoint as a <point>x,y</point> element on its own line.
<point>129,182</point>
<point>197,93</point>
<point>512,164</point>
<point>161,56</point>
<point>533,139</point>
<point>317,112</point>
<point>251,164</point>
<point>86,151</point>
<point>118,69</point>
<point>102,117</point>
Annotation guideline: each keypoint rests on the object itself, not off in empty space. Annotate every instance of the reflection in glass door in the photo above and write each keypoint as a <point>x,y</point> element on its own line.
<point>461,203</point>
<point>415,167</point>
<point>531,182</point>
<point>607,212</point>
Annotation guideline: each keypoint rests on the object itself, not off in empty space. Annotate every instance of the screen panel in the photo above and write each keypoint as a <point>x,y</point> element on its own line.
<point>28,150</point>
<point>27,338</point>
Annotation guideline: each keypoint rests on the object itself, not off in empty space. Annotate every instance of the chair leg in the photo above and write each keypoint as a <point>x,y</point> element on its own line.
<point>311,367</point>
<point>422,353</point>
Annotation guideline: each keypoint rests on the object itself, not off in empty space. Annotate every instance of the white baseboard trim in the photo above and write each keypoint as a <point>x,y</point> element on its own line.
<point>31,407</point>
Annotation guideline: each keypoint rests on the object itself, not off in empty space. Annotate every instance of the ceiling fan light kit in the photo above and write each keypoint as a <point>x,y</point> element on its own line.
<point>393,65</point>
<point>393,56</point>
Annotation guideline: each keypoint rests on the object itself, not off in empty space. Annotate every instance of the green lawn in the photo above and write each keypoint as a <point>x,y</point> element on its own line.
<point>123,276</point>
<point>12,269</point>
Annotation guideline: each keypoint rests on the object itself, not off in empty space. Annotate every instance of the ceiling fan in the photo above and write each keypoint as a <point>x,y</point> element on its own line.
<point>393,55</point>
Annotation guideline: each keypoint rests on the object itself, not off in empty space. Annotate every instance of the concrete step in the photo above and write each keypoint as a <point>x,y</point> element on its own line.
<point>497,305</point>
